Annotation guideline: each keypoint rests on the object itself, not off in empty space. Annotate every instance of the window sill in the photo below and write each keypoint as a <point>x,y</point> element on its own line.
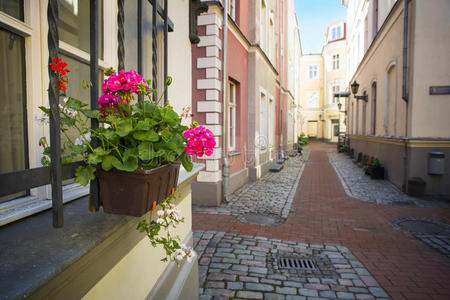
<point>26,206</point>
<point>234,153</point>
<point>35,254</point>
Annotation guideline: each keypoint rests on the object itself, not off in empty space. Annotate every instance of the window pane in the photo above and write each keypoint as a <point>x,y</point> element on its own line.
<point>13,127</point>
<point>74,24</point>
<point>14,8</point>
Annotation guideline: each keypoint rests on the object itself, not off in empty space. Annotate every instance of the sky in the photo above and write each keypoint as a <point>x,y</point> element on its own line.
<point>313,19</point>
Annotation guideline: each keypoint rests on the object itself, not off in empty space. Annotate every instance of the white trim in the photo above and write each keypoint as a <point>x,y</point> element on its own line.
<point>15,25</point>
<point>391,64</point>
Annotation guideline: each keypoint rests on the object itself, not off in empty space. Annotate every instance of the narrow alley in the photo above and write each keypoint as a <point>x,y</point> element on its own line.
<point>323,216</point>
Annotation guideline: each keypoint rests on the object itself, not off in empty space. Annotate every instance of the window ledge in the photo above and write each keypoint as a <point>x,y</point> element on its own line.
<point>34,253</point>
<point>234,153</point>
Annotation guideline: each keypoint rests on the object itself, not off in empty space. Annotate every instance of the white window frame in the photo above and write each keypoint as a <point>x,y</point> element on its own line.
<point>231,122</point>
<point>313,71</point>
<point>36,83</point>
<point>334,88</point>
<point>233,9</point>
<point>263,124</point>
<point>271,122</point>
<point>336,62</point>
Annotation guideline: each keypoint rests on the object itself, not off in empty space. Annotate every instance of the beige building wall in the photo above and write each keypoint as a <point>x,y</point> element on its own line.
<point>403,133</point>
<point>311,96</point>
<point>430,66</point>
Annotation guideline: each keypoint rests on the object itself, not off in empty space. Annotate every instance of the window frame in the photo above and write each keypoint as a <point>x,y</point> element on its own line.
<point>231,122</point>
<point>313,71</point>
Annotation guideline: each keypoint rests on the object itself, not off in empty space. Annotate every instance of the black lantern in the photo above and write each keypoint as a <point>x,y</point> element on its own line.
<point>355,87</point>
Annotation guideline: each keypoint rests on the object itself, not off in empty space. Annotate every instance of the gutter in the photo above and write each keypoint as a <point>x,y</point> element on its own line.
<point>280,156</point>
<point>225,163</point>
<point>404,91</point>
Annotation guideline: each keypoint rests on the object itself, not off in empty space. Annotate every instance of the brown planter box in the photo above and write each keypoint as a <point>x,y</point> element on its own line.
<point>133,193</point>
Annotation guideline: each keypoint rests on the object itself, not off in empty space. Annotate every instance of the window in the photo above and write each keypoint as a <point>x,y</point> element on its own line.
<point>13,119</point>
<point>271,122</point>
<point>336,33</point>
<point>312,72</point>
<point>374,107</point>
<point>336,62</point>
<point>233,9</point>
<point>231,131</point>
<point>333,89</point>
<point>262,141</point>
<point>312,99</point>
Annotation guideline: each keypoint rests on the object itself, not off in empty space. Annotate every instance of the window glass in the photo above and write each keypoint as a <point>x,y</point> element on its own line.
<point>14,8</point>
<point>130,30</point>
<point>338,32</point>
<point>74,24</point>
<point>333,33</point>
<point>13,126</point>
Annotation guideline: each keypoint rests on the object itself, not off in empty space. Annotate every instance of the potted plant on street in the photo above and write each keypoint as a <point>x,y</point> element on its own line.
<point>138,147</point>
<point>373,168</point>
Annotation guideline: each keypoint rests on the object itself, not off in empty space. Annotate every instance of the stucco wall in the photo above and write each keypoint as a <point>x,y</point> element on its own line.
<point>431,64</point>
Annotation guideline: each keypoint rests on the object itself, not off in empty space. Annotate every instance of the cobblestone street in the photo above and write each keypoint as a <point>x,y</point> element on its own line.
<point>360,249</point>
<point>271,196</point>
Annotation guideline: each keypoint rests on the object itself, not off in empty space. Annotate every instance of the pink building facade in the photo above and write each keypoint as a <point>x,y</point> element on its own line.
<point>254,75</point>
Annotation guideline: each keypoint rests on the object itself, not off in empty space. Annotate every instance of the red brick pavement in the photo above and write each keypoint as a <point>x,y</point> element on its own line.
<point>322,213</point>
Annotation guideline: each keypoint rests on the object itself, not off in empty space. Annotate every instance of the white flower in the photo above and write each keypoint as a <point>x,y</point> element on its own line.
<point>41,120</point>
<point>79,141</point>
<point>65,99</point>
<point>178,257</point>
<point>169,229</point>
<point>160,213</point>
<point>159,221</point>
<point>190,256</point>
<point>87,136</point>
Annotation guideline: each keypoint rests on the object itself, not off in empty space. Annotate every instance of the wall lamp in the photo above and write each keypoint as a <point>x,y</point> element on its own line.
<point>355,87</point>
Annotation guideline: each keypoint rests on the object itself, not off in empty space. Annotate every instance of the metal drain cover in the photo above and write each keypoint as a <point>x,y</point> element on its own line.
<point>421,226</point>
<point>296,263</point>
<point>258,219</point>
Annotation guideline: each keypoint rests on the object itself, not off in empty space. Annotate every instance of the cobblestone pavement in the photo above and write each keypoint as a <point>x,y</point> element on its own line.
<point>433,233</point>
<point>271,196</point>
<point>358,185</point>
<point>322,213</point>
<point>248,267</point>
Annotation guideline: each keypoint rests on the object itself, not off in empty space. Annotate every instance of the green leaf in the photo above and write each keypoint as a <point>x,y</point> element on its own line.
<point>94,159</point>
<point>169,116</point>
<point>109,161</point>
<point>149,135</point>
<point>101,152</point>
<point>94,114</point>
<point>166,135</point>
<point>129,165</point>
<point>130,153</point>
<point>142,125</point>
<point>125,108</point>
<point>69,122</point>
<point>111,136</point>
<point>84,174</point>
<point>147,151</point>
<point>45,110</point>
<point>186,162</point>
<point>80,149</point>
<point>75,103</point>
<point>124,127</point>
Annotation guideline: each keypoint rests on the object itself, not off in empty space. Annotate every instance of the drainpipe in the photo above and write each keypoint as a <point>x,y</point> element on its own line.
<point>225,163</point>
<point>404,91</point>
<point>279,92</point>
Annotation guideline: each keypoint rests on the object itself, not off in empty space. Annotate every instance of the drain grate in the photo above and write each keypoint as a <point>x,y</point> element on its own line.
<point>296,263</point>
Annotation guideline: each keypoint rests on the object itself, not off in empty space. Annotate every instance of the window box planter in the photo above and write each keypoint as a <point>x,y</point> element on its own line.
<point>136,193</point>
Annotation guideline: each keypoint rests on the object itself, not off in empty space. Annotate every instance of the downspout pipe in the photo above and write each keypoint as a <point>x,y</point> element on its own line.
<point>280,121</point>
<point>225,163</point>
<point>405,92</point>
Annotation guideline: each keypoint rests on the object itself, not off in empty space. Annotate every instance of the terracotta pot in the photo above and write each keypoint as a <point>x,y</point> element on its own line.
<point>133,193</point>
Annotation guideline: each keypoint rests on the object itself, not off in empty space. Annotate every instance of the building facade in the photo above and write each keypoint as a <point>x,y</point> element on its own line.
<point>321,76</point>
<point>398,52</point>
<point>262,39</point>
<point>94,255</point>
